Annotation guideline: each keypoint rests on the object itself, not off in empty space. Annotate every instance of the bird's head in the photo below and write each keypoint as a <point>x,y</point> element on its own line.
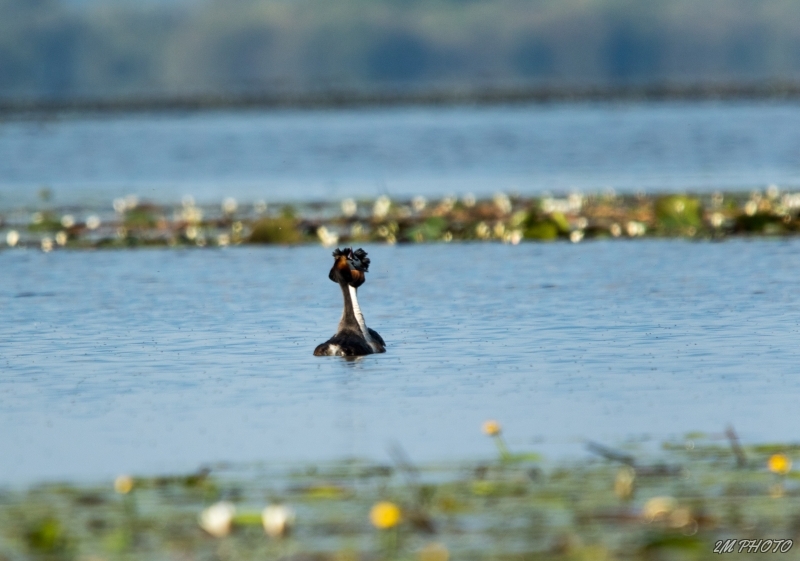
<point>349,266</point>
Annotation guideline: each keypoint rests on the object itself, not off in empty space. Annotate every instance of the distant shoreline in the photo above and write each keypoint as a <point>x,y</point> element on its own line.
<point>349,98</point>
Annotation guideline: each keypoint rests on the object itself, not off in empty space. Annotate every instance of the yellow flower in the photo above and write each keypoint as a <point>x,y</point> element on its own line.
<point>384,515</point>
<point>491,428</point>
<point>123,484</point>
<point>780,464</point>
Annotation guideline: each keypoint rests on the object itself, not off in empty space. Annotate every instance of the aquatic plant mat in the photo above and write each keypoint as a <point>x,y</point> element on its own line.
<point>681,502</point>
<point>131,222</point>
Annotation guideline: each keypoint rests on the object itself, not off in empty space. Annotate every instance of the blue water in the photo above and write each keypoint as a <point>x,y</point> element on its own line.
<point>158,360</point>
<point>305,155</point>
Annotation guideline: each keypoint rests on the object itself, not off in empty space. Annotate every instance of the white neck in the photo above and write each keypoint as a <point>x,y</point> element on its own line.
<point>359,316</point>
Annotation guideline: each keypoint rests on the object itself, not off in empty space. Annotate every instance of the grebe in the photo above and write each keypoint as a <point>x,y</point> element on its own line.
<point>353,338</point>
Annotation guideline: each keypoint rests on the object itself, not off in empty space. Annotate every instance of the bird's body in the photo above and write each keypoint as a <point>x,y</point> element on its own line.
<point>353,338</point>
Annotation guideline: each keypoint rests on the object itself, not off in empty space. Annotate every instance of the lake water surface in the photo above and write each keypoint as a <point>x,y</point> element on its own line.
<point>159,360</point>
<point>305,155</point>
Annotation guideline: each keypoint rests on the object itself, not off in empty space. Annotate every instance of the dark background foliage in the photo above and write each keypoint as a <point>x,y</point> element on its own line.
<point>61,49</point>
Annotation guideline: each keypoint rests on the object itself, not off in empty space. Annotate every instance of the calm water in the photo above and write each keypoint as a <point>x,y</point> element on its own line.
<point>145,361</point>
<point>285,155</point>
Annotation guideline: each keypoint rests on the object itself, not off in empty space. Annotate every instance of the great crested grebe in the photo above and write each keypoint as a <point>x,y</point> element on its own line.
<point>353,338</point>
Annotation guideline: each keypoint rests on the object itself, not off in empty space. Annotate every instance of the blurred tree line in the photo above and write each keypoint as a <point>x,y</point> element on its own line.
<point>52,49</point>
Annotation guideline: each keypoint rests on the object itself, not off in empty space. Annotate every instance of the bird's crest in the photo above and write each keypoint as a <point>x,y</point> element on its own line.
<point>350,265</point>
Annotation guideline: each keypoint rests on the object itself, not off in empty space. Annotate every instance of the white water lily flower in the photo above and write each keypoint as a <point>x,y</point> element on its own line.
<point>446,205</point>
<point>229,205</point>
<point>12,238</point>
<point>349,208</point>
<point>277,520</point>
<point>514,237</point>
<point>502,202</point>
<point>791,201</point>
<point>93,222</point>
<point>773,191</point>
<point>192,214</point>
<point>419,203</point>
<point>635,229</point>
<point>658,507</point>
<point>499,229</point>
<point>482,230</point>
<point>327,237</point>
<point>575,201</point>
<point>217,519</point>
<point>381,207</point>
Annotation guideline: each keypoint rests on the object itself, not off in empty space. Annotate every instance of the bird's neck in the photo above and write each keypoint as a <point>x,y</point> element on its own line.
<point>352,316</point>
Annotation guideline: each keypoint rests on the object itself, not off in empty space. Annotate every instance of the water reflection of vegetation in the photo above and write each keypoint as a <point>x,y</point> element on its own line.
<point>508,219</point>
<point>615,504</point>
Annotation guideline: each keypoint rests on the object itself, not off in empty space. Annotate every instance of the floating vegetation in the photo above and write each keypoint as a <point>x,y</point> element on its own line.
<point>502,218</point>
<point>680,502</point>
<point>283,230</point>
